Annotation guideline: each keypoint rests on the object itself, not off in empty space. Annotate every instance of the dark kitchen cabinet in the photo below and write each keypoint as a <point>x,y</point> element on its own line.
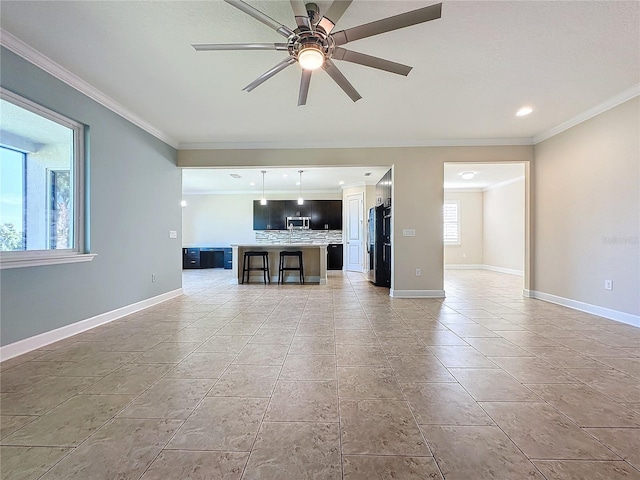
<point>260,216</point>
<point>207,257</point>
<point>292,209</point>
<point>333,215</point>
<point>326,215</point>
<point>334,256</point>
<point>383,190</point>
<point>190,258</point>
<point>317,215</point>
<point>212,258</point>
<point>277,217</point>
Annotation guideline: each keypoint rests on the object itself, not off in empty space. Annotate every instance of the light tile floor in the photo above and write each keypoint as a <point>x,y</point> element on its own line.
<point>330,382</point>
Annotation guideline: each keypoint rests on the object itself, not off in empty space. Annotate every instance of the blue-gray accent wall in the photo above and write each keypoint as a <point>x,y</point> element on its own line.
<point>133,200</point>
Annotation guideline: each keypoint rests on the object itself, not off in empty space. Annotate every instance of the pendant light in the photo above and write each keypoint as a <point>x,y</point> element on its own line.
<point>263,200</point>
<point>300,199</point>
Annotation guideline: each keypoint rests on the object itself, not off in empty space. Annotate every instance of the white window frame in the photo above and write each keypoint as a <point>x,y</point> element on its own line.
<point>78,253</point>
<point>444,240</point>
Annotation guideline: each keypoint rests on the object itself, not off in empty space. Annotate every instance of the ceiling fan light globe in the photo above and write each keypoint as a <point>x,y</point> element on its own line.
<point>310,58</point>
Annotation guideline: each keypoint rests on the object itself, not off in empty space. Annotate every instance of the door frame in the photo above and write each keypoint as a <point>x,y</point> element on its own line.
<point>528,220</point>
<point>360,197</point>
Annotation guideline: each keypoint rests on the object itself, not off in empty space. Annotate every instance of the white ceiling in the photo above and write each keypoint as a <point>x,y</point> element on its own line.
<point>473,69</point>
<point>486,174</point>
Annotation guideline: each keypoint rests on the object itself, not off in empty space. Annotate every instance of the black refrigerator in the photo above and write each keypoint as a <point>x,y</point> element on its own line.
<point>379,245</point>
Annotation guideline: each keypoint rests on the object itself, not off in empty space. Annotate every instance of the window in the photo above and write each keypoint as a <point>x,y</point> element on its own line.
<point>451,222</point>
<point>41,185</point>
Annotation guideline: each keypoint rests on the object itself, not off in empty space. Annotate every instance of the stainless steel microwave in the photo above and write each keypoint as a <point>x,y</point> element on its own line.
<point>299,223</point>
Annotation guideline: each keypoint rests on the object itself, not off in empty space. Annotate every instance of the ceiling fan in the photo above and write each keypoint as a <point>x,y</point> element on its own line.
<point>313,44</point>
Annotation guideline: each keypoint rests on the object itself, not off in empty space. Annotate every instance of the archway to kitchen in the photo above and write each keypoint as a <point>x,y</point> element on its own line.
<point>219,207</point>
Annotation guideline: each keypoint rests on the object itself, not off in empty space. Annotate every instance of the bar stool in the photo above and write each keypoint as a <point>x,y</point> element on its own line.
<point>282,267</point>
<point>246,265</point>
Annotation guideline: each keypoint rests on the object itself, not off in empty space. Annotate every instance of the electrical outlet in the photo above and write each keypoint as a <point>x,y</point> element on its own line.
<point>608,284</point>
<point>418,272</point>
<point>173,234</point>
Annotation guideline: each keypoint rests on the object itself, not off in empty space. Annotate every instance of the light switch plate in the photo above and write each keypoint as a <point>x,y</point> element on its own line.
<point>408,232</point>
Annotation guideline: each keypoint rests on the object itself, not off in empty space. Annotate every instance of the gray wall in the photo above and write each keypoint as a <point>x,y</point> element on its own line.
<point>587,211</point>
<point>134,193</point>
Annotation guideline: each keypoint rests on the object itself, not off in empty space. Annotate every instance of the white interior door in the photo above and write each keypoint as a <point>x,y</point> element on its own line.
<point>355,233</point>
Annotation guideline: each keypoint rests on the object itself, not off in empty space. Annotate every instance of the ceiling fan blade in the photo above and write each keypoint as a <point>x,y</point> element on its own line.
<point>261,17</point>
<point>388,24</point>
<point>333,14</point>
<point>205,47</point>
<point>305,80</point>
<point>267,75</point>
<point>300,12</point>
<point>341,80</point>
<point>368,61</point>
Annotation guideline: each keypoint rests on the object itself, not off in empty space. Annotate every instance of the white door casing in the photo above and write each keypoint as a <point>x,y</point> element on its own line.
<point>355,233</point>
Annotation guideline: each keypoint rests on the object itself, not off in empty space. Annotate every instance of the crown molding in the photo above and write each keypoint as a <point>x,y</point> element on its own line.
<point>502,184</point>
<point>463,190</point>
<point>41,61</point>
<point>592,112</point>
<point>448,142</point>
<point>31,55</point>
<point>364,183</point>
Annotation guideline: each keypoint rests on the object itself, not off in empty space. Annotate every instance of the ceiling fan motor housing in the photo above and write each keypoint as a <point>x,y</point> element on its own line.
<point>305,39</point>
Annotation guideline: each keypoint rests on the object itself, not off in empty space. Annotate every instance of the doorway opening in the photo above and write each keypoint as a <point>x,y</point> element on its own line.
<point>485,218</point>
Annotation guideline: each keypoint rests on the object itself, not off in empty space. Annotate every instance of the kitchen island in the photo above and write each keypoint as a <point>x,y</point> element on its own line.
<point>314,257</point>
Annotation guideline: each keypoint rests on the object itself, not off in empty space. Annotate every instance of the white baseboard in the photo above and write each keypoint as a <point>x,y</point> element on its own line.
<point>616,315</point>
<point>46,338</point>
<point>463,266</point>
<point>509,271</point>
<point>416,293</point>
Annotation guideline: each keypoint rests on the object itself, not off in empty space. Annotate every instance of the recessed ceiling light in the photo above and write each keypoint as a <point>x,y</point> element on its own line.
<point>297,183</point>
<point>524,111</point>
<point>468,175</point>
<point>341,182</point>
<point>285,175</point>
<point>252,183</point>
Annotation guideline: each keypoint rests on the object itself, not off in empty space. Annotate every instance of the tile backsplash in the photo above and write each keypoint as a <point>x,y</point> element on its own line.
<point>266,237</point>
